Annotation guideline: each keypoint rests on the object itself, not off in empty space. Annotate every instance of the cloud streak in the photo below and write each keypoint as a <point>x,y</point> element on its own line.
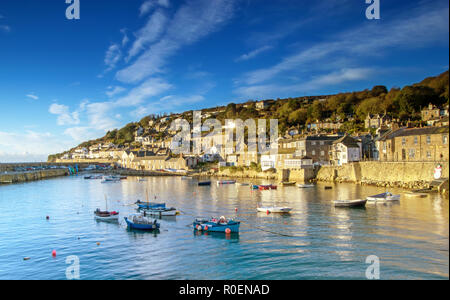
<point>192,22</point>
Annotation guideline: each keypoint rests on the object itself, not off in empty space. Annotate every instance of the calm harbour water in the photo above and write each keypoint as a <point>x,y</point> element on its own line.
<point>316,241</point>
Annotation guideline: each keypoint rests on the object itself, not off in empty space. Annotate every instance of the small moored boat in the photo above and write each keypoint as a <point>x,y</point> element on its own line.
<point>93,177</point>
<point>186,177</point>
<point>110,179</point>
<point>384,197</point>
<point>204,183</point>
<point>274,209</point>
<point>305,186</point>
<point>221,224</point>
<point>243,184</point>
<point>150,205</point>
<point>141,222</point>
<point>162,212</point>
<point>106,215</point>
<point>287,183</point>
<point>220,182</point>
<point>350,203</point>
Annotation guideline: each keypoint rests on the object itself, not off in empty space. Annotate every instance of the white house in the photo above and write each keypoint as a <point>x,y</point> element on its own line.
<point>345,150</point>
<point>268,161</point>
<point>298,163</point>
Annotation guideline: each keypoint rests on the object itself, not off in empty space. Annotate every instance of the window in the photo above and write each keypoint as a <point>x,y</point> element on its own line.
<point>313,152</point>
<point>322,143</point>
<point>322,153</point>
<point>412,153</point>
<point>403,141</point>
<point>313,143</point>
<point>444,139</point>
<point>428,139</point>
<point>428,154</point>
<point>415,140</point>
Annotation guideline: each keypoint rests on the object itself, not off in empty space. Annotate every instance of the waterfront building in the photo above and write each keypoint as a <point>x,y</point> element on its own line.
<point>414,144</point>
<point>268,161</point>
<point>345,150</point>
<point>298,163</point>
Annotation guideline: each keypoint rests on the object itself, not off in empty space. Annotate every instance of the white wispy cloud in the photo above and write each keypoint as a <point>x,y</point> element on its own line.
<point>193,21</point>
<point>125,38</point>
<point>149,33</point>
<point>64,116</point>
<point>112,56</point>
<point>114,90</point>
<point>29,146</point>
<point>254,53</point>
<point>5,28</point>
<point>148,5</point>
<point>424,26</point>
<point>32,96</point>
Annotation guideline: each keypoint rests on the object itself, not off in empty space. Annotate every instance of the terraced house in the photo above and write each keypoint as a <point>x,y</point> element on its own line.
<point>414,144</point>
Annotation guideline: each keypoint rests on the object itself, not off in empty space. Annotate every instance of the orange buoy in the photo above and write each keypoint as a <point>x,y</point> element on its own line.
<point>54,253</point>
<point>228,230</point>
<point>98,243</point>
<point>199,227</point>
<point>268,212</point>
<point>206,227</point>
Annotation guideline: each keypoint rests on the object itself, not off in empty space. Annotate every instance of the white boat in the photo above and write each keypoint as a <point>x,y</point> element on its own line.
<point>162,212</point>
<point>274,209</point>
<point>350,203</point>
<point>110,179</point>
<point>107,216</point>
<point>384,197</point>
<point>186,177</point>
<point>305,186</point>
<point>243,184</point>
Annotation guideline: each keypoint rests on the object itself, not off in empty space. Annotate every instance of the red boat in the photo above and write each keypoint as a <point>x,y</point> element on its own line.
<point>267,187</point>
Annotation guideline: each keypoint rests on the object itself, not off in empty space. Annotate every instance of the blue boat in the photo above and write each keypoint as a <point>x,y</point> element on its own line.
<point>141,222</point>
<point>150,205</point>
<point>254,187</point>
<point>203,183</point>
<point>217,225</point>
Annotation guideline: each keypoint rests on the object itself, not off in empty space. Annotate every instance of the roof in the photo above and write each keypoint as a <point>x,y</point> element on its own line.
<point>404,131</point>
<point>348,141</point>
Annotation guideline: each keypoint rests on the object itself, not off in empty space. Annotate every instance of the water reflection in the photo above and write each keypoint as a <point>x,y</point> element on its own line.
<point>315,240</point>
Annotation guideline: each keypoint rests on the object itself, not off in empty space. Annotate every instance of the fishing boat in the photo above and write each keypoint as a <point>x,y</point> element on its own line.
<point>305,186</point>
<point>93,177</point>
<point>287,183</point>
<point>383,197</point>
<point>141,222</point>
<point>220,182</point>
<point>162,212</point>
<point>106,215</point>
<point>110,179</point>
<point>221,224</point>
<point>204,183</point>
<point>274,209</point>
<point>350,203</point>
<point>150,205</point>
<point>267,187</point>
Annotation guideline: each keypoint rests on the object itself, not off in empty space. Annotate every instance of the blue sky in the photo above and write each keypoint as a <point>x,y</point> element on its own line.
<point>65,81</point>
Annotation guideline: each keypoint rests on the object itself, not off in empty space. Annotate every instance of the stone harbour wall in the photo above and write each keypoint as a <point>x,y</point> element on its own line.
<point>399,174</point>
<point>17,177</point>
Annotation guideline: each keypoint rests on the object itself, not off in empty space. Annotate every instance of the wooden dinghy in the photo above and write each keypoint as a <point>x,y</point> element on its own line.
<point>350,203</point>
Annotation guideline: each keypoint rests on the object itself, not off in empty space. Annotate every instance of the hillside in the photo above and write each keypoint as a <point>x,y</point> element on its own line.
<point>351,108</point>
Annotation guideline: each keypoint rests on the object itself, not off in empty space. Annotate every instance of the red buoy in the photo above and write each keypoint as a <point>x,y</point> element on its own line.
<point>54,253</point>
<point>236,209</point>
<point>228,230</point>
<point>206,227</point>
